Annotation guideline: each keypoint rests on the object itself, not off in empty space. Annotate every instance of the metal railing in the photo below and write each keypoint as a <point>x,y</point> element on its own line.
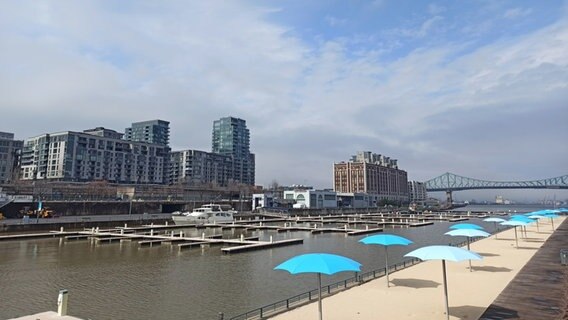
<point>307,297</point>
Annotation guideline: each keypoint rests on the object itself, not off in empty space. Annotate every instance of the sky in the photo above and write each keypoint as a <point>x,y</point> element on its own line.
<point>477,88</point>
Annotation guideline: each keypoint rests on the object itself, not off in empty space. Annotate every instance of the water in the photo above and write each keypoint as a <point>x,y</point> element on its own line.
<point>123,281</point>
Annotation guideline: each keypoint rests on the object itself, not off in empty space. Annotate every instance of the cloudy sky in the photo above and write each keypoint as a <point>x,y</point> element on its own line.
<point>477,88</point>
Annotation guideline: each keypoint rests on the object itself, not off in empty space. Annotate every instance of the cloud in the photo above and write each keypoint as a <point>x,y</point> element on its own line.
<point>334,22</point>
<point>516,13</point>
<point>489,109</point>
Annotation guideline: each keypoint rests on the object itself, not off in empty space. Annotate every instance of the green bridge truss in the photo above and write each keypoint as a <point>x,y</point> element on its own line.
<point>451,182</point>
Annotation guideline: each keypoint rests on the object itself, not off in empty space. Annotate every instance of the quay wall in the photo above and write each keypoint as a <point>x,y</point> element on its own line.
<point>79,208</point>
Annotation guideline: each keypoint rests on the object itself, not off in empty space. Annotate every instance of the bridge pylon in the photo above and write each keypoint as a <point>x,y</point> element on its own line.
<point>449,199</point>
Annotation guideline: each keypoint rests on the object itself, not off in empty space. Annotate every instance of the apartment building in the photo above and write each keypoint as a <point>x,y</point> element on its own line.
<point>371,173</point>
<point>94,154</point>
<point>194,167</point>
<point>9,157</point>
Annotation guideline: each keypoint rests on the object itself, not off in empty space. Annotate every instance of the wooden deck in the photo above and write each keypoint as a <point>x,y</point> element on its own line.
<point>540,289</point>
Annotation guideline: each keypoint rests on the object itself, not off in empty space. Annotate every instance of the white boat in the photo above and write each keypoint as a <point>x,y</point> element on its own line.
<point>209,213</point>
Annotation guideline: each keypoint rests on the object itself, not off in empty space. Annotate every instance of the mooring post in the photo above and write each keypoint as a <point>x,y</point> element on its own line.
<point>61,229</point>
<point>271,241</point>
<point>151,232</point>
<point>203,235</point>
<point>242,237</point>
<point>126,225</point>
<point>62,302</point>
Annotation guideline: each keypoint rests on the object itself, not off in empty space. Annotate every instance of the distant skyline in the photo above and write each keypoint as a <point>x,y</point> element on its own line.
<point>477,88</point>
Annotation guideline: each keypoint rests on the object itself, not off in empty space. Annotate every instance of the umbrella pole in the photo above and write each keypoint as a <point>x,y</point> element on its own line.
<point>470,269</point>
<point>516,241</point>
<point>537,230</point>
<point>446,290</point>
<point>496,229</point>
<point>552,221</point>
<point>387,266</point>
<point>319,297</point>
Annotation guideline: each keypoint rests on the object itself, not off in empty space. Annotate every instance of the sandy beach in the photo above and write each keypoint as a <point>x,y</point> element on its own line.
<point>417,292</point>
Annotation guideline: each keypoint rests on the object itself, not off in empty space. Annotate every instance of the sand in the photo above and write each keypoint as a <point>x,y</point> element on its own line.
<point>417,292</point>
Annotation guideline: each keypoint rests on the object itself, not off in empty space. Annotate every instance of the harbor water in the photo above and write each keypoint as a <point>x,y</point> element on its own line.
<point>124,281</point>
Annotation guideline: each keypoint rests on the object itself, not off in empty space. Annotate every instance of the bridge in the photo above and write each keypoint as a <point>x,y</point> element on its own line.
<point>450,182</point>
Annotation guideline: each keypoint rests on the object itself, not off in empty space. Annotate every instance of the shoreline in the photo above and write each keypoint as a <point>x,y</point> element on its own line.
<point>416,292</point>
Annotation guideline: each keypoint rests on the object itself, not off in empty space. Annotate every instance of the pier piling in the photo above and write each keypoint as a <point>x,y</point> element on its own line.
<point>62,302</point>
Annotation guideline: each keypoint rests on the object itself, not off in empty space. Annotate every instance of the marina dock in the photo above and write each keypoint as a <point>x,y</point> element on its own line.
<point>153,234</point>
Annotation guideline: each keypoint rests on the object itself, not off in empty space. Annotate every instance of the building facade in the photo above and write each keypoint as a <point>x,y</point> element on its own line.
<point>373,174</point>
<point>95,154</point>
<point>152,131</point>
<point>312,199</point>
<point>417,192</point>
<point>9,157</point>
<point>194,167</point>
<point>231,137</point>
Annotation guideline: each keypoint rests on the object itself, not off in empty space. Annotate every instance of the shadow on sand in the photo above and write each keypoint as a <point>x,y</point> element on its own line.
<point>486,254</point>
<point>415,283</point>
<point>533,240</point>
<point>491,269</point>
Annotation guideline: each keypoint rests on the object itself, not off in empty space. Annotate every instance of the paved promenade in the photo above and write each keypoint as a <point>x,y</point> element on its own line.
<point>417,293</point>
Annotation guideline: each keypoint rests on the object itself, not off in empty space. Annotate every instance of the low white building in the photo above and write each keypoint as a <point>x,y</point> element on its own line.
<point>312,199</point>
<point>357,200</point>
<point>262,200</point>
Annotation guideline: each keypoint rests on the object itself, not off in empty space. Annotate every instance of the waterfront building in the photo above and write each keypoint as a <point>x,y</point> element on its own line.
<point>152,131</point>
<point>417,192</point>
<point>357,200</point>
<point>371,173</point>
<point>9,157</point>
<point>194,167</point>
<point>94,154</point>
<point>312,199</point>
<point>231,137</point>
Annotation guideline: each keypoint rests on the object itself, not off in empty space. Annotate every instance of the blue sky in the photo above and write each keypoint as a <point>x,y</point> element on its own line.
<point>478,88</point>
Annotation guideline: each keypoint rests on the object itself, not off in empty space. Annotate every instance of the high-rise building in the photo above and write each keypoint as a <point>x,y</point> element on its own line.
<point>9,157</point>
<point>232,138</point>
<point>95,154</point>
<point>194,167</point>
<point>152,131</point>
<point>417,191</point>
<point>371,173</point>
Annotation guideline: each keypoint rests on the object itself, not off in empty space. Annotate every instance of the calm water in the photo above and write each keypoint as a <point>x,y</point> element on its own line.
<point>123,281</point>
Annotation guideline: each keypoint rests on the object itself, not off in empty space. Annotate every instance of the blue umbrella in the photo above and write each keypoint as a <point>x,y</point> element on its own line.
<point>495,221</point>
<point>444,253</point>
<point>319,263</point>
<point>466,226</point>
<point>535,217</point>
<point>386,240</point>
<point>468,233</point>
<point>515,223</point>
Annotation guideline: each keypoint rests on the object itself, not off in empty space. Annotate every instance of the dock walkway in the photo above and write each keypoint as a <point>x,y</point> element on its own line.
<point>540,289</point>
